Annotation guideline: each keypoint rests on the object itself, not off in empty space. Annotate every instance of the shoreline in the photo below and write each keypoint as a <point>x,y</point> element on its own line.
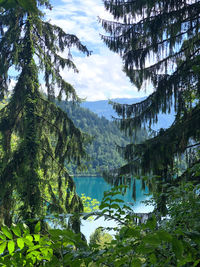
<point>86,175</point>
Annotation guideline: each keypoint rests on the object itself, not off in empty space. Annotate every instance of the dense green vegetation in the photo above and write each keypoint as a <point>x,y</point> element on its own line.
<point>36,136</point>
<point>173,241</point>
<point>102,150</point>
<point>27,5</point>
<point>159,45</point>
<point>38,139</point>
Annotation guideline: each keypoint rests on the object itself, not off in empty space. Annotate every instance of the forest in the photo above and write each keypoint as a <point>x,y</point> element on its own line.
<point>40,211</point>
<point>105,136</point>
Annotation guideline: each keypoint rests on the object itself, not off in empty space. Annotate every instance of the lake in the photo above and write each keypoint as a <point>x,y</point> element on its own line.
<point>94,187</point>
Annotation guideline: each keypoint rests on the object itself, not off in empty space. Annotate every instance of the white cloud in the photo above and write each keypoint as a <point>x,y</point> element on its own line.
<point>100,75</point>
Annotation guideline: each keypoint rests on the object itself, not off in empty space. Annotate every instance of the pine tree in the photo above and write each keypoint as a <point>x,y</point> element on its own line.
<point>159,43</point>
<point>37,137</point>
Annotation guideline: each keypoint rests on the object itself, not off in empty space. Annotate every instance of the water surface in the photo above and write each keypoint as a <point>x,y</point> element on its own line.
<point>94,187</point>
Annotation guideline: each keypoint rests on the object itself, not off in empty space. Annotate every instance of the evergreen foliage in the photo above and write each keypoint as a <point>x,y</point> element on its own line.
<point>102,153</point>
<point>28,5</point>
<point>159,43</point>
<point>32,173</point>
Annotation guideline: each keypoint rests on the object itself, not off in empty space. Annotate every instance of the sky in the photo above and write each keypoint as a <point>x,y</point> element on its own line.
<point>100,75</point>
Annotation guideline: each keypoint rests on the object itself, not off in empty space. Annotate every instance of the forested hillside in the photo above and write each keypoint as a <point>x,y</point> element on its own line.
<point>103,108</point>
<point>102,150</point>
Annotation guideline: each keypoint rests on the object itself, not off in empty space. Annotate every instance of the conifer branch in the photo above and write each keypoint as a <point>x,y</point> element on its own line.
<point>168,31</point>
<point>24,37</point>
<point>190,146</point>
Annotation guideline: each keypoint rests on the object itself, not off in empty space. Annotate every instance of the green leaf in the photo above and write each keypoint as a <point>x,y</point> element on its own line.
<point>11,246</point>
<point>184,260</point>
<point>2,247</point>
<point>177,247</point>
<point>25,229</point>
<point>88,215</point>
<point>196,263</point>
<point>105,212</point>
<point>108,199</point>
<point>20,243</point>
<point>151,223</point>
<point>2,236</point>
<point>152,239</point>
<point>55,233</point>
<point>35,253</point>
<point>164,236</point>
<point>46,252</point>
<point>7,232</point>
<point>44,241</point>
<point>136,262</point>
<point>28,242</point>
<point>29,237</point>
<point>114,206</point>
<point>36,237</point>
<point>16,230</point>
<point>104,205</point>
<point>33,248</point>
<point>37,228</point>
<point>127,207</point>
<point>67,259</point>
<point>153,258</point>
<point>132,232</point>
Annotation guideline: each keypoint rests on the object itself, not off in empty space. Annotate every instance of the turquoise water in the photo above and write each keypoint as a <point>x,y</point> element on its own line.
<point>94,187</point>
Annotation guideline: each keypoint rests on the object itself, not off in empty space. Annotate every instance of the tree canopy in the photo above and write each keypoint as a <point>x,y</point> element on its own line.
<point>159,44</point>
<point>27,5</point>
<point>105,135</point>
<point>36,136</point>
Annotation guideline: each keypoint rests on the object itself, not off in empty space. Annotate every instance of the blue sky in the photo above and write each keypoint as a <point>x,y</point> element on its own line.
<point>100,75</point>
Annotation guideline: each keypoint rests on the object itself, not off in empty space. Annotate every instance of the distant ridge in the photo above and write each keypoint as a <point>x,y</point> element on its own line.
<point>103,109</point>
<point>94,118</point>
<point>102,151</point>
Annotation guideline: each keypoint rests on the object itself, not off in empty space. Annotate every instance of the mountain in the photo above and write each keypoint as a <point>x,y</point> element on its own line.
<point>103,109</point>
<point>95,118</point>
<point>102,151</point>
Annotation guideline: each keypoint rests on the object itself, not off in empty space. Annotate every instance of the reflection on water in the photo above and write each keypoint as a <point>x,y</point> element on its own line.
<point>94,187</point>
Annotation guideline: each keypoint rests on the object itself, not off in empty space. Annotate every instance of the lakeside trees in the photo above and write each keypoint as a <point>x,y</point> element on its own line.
<point>159,44</point>
<point>25,163</point>
<point>101,151</point>
<point>36,136</point>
